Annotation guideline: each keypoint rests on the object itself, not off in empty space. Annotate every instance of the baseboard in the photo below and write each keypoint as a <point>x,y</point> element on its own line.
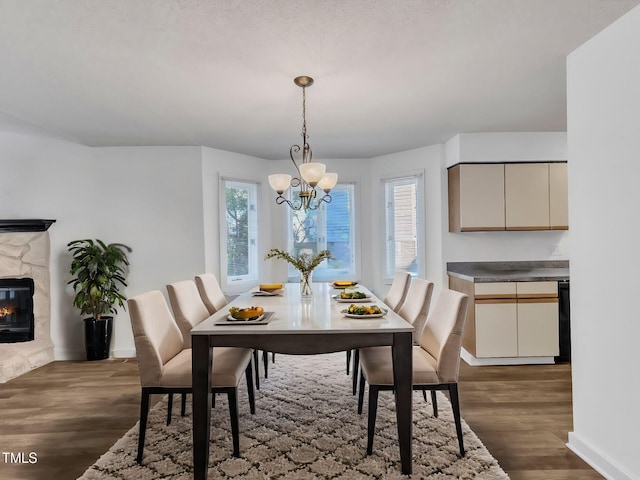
<point>596,459</point>
<point>123,353</point>
<point>473,361</point>
<point>67,354</point>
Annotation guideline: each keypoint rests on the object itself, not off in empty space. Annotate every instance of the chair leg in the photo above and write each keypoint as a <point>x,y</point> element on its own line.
<point>144,412</point>
<point>169,408</point>
<point>424,395</point>
<point>455,405</point>
<point>371,424</point>
<point>273,357</point>
<point>248,373</point>
<point>434,402</point>
<point>256,363</point>
<point>183,407</point>
<point>356,368</point>
<point>265,361</point>
<point>213,400</point>
<point>233,413</point>
<point>361,394</point>
<point>348,360</point>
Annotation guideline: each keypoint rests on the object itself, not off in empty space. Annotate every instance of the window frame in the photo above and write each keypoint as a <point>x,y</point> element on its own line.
<point>354,270</point>
<point>419,176</point>
<point>240,283</point>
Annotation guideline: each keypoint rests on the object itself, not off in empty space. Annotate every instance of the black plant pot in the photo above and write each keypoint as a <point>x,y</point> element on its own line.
<point>97,337</point>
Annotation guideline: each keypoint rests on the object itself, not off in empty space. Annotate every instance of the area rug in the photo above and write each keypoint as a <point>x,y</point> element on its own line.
<point>306,427</point>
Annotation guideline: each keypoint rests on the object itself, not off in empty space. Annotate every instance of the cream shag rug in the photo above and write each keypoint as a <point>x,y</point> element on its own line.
<point>306,426</point>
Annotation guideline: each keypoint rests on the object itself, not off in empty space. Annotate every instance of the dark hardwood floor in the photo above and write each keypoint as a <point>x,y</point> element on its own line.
<point>70,413</point>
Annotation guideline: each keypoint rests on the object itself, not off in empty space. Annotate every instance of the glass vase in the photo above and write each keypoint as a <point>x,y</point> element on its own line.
<point>305,284</point>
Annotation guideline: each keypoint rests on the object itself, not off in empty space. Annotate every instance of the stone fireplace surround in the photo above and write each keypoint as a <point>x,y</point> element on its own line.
<point>25,252</point>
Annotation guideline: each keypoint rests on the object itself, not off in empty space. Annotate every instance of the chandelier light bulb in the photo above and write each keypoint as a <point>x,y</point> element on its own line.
<point>328,181</point>
<point>280,182</point>
<point>312,172</point>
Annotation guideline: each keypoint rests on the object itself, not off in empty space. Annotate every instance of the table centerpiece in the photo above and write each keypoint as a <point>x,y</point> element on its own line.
<point>305,262</point>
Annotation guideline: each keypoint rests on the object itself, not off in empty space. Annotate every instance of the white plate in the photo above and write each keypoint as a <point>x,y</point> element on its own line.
<point>262,293</point>
<point>236,320</point>
<point>372,315</point>
<point>364,317</point>
<point>339,299</point>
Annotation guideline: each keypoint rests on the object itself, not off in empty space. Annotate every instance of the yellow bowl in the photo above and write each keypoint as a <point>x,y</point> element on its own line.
<point>270,287</point>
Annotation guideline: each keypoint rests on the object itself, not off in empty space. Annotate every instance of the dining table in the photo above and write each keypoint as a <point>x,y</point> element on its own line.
<point>298,325</point>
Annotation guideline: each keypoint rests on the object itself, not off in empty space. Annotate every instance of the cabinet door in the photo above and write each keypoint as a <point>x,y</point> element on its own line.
<point>496,328</point>
<point>527,196</point>
<point>538,328</point>
<point>558,197</point>
<point>481,197</point>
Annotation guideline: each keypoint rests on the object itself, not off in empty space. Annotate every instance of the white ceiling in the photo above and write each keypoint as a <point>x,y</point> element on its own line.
<point>389,75</point>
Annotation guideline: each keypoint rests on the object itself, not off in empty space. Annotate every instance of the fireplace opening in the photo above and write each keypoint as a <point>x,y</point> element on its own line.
<point>16,310</point>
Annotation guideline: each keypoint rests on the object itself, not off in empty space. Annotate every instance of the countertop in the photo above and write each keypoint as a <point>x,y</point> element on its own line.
<point>522,271</point>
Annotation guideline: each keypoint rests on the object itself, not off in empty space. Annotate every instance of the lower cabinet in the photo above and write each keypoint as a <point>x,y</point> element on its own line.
<point>496,329</point>
<point>538,332</point>
<point>511,319</point>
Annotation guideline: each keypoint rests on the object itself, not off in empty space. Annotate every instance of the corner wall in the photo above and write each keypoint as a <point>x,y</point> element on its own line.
<point>604,166</point>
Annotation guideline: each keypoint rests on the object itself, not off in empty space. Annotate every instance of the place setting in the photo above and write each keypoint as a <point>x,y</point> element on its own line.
<point>269,290</point>
<point>253,315</point>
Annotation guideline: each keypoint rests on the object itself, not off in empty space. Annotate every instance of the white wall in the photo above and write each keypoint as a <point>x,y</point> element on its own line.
<point>604,166</point>
<point>503,246</point>
<point>147,198</point>
<point>431,161</point>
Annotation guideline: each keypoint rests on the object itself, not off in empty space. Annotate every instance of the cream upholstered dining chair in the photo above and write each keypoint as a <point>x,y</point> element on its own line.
<point>398,291</point>
<point>188,307</point>
<point>394,298</point>
<point>210,292</point>
<point>215,299</point>
<point>189,310</point>
<point>436,361</point>
<point>414,309</point>
<point>165,366</point>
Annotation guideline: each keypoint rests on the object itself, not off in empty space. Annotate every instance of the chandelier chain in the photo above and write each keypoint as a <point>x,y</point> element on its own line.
<point>304,114</point>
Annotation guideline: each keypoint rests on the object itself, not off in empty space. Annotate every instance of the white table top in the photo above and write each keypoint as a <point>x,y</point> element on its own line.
<point>294,314</point>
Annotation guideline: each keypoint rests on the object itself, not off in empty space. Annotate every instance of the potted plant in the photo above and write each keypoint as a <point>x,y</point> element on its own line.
<point>98,272</point>
<point>304,262</point>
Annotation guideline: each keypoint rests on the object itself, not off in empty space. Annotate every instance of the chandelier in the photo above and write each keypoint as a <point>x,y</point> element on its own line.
<point>311,176</point>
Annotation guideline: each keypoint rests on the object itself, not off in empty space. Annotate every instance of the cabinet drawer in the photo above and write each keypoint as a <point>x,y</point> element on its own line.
<point>537,289</point>
<point>495,290</point>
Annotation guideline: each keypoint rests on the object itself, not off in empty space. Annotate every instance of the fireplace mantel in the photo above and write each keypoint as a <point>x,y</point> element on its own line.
<point>25,225</point>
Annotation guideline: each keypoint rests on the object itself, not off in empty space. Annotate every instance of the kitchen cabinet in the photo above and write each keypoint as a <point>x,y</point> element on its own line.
<point>510,319</point>
<point>476,197</point>
<point>558,197</point>
<point>526,193</point>
<point>508,196</point>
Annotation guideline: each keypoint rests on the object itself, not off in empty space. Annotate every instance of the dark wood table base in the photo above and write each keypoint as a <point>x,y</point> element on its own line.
<point>298,344</point>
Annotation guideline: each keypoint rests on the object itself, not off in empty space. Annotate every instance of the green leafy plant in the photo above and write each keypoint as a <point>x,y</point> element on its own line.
<point>98,272</point>
<point>305,262</point>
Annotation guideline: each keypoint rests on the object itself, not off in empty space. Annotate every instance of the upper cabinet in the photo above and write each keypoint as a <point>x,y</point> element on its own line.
<point>558,197</point>
<point>476,197</point>
<point>508,196</point>
<point>526,191</point>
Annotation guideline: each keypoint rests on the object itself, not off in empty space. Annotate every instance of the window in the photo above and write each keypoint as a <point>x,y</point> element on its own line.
<point>329,227</point>
<point>403,225</point>
<point>239,244</point>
